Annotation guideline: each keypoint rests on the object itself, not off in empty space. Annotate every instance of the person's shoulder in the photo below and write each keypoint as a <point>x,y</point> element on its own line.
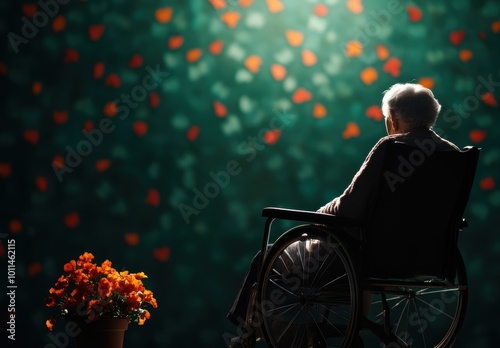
<point>382,142</point>
<point>442,143</point>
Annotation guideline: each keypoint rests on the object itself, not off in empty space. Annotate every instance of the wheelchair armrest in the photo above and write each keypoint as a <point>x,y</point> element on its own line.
<point>310,216</point>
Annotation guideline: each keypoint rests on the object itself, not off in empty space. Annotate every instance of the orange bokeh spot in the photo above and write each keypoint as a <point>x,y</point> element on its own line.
<point>41,183</point>
<point>60,117</point>
<point>392,66</point>
<point>135,61</point>
<point>218,4</point>
<point>131,238</point>
<point>414,13</point>
<point>301,95</point>
<point>72,220</point>
<point>59,23</point>
<point>34,268</point>
<point>71,55</point>
<point>353,49</point>
<point>275,6</point>
<point>164,15</point>
<point>58,161</point>
<point>272,136</point>
<point>355,6</point>
<point>245,3</point>
<point>193,55</point>
<point>5,170</point>
<point>216,47</point>
<point>382,52</point>
<point>36,87</point>
<point>88,125</point>
<point>351,131</point>
<point>154,100</point>
<point>152,197</point>
<point>162,254</point>
<point>175,42</point>
<point>253,63</point>
<point>487,183</point>
<point>15,226</point>
<point>102,165</point>
<point>465,55</point>
<point>374,112</point>
<point>31,136</point>
<point>495,26</point>
<point>427,82</point>
<point>140,128</point>
<point>113,80</point>
<point>321,10</point>
<point>295,38</point>
<point>308,58</point>
<point>489,99</point>
<point>193,133</point>
<point>29,10</point>
<point>99,70</point>
<point>369,75</point>
<point>110,109</point>
<point>96,31</point>
<point>477,135</point>
<point>319,110</point>
<point>231,18</point>
<point>220,109</point>
<point>278,72</point>
<point>457,36</point>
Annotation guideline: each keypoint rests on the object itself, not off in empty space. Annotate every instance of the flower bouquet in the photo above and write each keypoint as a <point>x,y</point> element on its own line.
<point>90,292</point>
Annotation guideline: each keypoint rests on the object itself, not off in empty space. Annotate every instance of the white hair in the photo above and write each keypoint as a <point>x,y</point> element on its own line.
<point>412,104</point>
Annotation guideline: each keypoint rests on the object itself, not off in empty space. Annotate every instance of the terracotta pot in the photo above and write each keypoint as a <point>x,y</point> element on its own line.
<point>103,333</point>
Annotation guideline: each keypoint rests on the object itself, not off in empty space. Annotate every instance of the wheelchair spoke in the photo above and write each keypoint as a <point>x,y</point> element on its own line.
<point>420,323</point>
<point>437,291</point>
<point>282,288</point>
<point>322,272</point>
<point>394,306</point>
<point>288,306</point>
<point>316,323</point>
<point>335,312</point>
<point>435,308</point>
<point>332,281</point>
<point>290,323</point>
<point>401,316</point>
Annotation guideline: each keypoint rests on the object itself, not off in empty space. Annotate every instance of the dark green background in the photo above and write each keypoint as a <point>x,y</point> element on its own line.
<point>310,163</point>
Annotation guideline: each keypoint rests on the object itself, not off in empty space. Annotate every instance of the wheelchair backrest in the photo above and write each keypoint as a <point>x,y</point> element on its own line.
<point>418,211</point>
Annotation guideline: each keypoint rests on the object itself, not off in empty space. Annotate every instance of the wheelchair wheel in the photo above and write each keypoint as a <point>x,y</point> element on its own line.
<point>426,315</point>
<point>308,291</point>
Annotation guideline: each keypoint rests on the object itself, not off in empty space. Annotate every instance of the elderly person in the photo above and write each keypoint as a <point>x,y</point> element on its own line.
<point>410,111</point>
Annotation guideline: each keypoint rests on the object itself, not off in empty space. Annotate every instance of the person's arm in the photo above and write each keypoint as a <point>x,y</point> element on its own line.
<point>354,202</point>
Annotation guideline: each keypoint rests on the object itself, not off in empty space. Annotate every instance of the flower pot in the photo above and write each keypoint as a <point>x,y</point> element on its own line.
<point>102,333</point>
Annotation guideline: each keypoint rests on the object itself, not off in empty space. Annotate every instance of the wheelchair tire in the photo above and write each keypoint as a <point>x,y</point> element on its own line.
<point>427,316</point>
<point>308,294</point>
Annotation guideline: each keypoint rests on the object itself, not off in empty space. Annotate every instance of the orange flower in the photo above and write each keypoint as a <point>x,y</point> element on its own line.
<point>70,266</point>
<point>50,323</point>
<point>144,315</point>
<point>50,301</point>
<point>90,292</point>
<point>86,257</point>
<point>139,275</point>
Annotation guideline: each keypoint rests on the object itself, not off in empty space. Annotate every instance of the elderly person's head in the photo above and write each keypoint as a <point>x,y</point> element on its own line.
<point>409,106</point>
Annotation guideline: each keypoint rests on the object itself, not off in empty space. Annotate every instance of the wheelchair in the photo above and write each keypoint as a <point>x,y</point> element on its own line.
<point>313,278</point>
